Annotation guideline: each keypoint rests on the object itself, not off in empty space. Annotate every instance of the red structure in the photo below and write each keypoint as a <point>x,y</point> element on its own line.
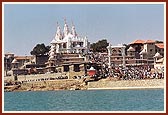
<point>91,72</point>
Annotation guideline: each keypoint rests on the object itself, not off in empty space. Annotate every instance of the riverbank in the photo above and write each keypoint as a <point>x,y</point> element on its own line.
<point>48,85</point>
<point>126,84</point>
<point>75,84</point>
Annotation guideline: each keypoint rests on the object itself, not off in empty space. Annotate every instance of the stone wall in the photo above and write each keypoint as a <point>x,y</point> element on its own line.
<point>32,77</point>
<point>37,77</point>
<point>50,85</point>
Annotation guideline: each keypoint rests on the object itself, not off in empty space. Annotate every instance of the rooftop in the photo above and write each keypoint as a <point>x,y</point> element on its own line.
<point>23,57</point>
<point>150,41</point>
<point>138,42</point>
<point>142,41</point>
<point>160,45</point>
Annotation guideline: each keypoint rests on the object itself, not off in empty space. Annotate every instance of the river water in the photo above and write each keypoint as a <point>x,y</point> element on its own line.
<point>85,100</point>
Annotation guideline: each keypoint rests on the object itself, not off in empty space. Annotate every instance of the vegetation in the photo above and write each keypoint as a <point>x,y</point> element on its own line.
<point>100,46</point>
<point>126,47</point>
<point>40,49</point>
<point>159,41</point>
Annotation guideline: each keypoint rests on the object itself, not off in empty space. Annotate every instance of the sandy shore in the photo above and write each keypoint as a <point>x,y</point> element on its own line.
<point>122,88</point>
<point>127,84</point>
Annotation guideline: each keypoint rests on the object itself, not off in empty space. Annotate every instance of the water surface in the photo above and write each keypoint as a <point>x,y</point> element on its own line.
<point>87,100</point>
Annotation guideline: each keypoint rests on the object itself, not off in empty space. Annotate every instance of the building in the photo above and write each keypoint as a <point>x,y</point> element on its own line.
<point>68,52</point>
<point>8,58</point>
<point>139,53</point>
<point>15,64</point>
<point>138,46</point>
<point>19,64</point>
<point>159,47</point>
<point>23,60</point>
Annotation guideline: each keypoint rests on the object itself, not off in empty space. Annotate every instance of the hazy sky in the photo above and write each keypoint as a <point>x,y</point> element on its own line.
<point>26,25</point>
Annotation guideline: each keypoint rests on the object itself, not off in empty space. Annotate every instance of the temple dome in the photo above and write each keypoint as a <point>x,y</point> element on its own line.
<point>92,68</point>
<point>131,49</point>
<point>143,52</point>
<point>157,55</point>
<point>15,61</point>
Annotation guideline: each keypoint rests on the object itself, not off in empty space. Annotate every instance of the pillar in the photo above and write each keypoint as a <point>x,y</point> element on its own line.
<point>123,54</point>
<point>109,55</point>
<point>57,48</point>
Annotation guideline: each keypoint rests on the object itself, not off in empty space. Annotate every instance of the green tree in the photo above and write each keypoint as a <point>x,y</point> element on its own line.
<point>100,46</point>
<point>40,49</point>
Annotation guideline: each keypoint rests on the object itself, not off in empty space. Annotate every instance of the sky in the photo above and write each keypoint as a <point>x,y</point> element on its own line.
<point>26,25</point>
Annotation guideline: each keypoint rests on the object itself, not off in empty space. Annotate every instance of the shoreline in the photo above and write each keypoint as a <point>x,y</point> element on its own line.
<point>89,89</point>
<point>96,85</point>
<point>124,84</point>
<point>125,88</point>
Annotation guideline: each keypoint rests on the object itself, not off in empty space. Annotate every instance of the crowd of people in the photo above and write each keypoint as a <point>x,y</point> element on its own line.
<point>130,73</point>
<point>125,73</point>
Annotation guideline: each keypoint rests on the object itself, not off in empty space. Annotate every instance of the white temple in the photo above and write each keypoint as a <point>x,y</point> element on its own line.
<point>67,41</point>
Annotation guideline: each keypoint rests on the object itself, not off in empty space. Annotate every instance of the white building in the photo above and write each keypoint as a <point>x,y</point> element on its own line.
<point>68,41</point>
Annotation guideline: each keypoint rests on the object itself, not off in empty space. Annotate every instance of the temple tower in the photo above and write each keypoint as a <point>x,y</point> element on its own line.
<point>66,29</point>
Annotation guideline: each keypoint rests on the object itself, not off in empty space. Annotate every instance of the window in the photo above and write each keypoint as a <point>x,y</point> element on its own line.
<point>83,50</point>
<point>151,50</point>
<point>74,44</point>
<point>81,44</point>
<point>59,45</point>
<point>66,68</point>
<point>76,68</point>
<point>64,45</point>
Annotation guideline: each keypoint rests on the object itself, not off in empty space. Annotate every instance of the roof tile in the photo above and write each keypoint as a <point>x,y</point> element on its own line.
<point>160,45</point>
<point>138,42</point>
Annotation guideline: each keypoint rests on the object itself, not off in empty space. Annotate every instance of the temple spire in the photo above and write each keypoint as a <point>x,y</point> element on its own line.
<point>73,30</point>
<point>58,33</point>
<point>66,29</point>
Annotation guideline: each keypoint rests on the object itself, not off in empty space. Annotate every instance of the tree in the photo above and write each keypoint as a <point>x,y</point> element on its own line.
<point>40,49</point>
<point>126,47</point>
<point>100,46</point>
<point>158,41</point>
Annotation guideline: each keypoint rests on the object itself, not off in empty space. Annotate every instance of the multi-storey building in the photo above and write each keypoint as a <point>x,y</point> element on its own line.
<point>8,58</point>
<point>139,53</point>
